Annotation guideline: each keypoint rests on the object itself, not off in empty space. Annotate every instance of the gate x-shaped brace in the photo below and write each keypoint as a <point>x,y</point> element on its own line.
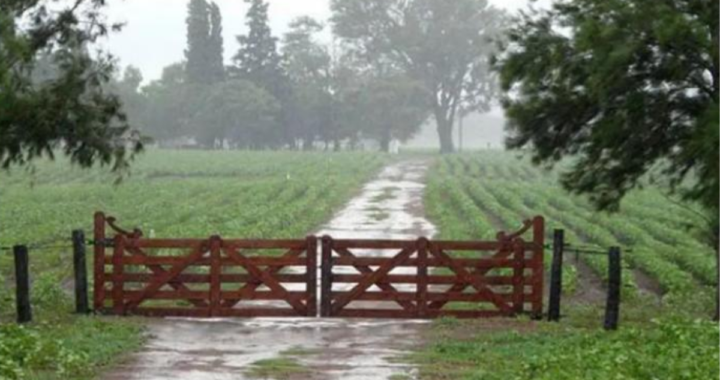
<point>469,279</point>
<point>259,275</point>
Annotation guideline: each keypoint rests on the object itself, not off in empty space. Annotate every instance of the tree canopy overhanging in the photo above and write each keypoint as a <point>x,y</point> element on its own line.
<point>622,86</point>
<point>66,107</point>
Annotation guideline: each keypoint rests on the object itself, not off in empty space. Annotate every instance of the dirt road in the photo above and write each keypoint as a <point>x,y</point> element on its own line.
<point>389,207</point>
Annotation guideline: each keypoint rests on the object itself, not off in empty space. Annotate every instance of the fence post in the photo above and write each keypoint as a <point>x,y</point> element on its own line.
<point>80,268</point>
<point>118,289</point>
<point>556,275</point>
<point>99,262</point>
<point>326,274</point>
<point>215,295</point>
<point>518,278</point>
<point>22,286</point>
<point>422,277</point>
<point>312,285</point>
<point>612,309</point>
<point>538,261</point>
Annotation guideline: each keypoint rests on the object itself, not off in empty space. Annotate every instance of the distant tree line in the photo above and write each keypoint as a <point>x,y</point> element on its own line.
<point>392,65</point>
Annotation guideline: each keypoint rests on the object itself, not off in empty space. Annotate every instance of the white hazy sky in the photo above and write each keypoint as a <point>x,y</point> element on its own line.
<point>154,34</point>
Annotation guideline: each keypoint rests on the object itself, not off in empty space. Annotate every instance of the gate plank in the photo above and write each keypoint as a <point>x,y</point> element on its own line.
<point>432,279</point>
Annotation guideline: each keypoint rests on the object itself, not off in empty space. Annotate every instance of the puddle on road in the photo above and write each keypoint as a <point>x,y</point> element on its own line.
<point>389,207</point>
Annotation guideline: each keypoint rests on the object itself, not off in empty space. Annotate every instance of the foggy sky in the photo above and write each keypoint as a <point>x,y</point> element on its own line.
<point>154,35</point>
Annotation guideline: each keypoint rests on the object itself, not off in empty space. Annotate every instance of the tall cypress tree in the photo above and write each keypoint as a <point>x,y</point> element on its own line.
<point>204,43</point>
<point>258,60</point>
<point>215,46</point>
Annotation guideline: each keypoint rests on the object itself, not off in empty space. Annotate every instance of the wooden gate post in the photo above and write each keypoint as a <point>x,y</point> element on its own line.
<point>422,277</point>
<point>312,285</point>
<point>556,275</point>
<point>80,269</point>
<point>22,284</point>
<point>99,262</point>
<point>538,263</point>
<point>518,278</point>
<point>216,245</point>
<point>118,291</point>
<point>326,280</point>
<point>612,309</point>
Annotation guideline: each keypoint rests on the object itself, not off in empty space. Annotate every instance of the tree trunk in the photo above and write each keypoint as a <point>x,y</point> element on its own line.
<point>385,141</point>
<point>444,128</point>
<point>336,145</point>
<point>307,144</point>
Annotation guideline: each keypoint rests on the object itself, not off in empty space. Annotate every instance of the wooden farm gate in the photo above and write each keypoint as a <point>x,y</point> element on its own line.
<point>359,278</point>
<point>430,279</point>
<point>210,277</point>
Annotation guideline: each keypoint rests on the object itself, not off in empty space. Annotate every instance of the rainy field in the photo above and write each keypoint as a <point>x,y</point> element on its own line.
<point>669,271</point>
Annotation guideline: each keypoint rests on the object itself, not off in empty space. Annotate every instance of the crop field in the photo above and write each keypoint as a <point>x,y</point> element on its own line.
<point>475,195</point>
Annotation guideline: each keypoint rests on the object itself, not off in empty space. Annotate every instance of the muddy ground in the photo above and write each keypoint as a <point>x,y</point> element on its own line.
<point>388,207</point>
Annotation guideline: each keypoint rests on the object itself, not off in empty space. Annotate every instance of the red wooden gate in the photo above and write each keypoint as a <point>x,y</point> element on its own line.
<point>428,279</point>
<point>207,278</point>
<point>251,278</point>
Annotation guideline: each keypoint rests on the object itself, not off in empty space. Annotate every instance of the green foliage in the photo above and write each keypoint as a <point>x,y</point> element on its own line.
<point>237,111</point>
<point>45,65</point>
<point>632,85</point>
<point>66,349</point>
<point>663,349</point>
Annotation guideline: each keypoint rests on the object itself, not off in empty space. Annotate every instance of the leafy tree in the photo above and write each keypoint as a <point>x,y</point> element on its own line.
<point>446,45</point>
<point>204,53</point>
<point>134,101</point>
<point>239,112</point>
<point>67,109</point>
<point>308,66</point>
<point>394,107</point>
<point>171,102</point>
<point>624,86</point>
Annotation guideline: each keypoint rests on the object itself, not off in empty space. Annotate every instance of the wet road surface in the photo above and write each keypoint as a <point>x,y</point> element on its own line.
<point>389,207</point>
